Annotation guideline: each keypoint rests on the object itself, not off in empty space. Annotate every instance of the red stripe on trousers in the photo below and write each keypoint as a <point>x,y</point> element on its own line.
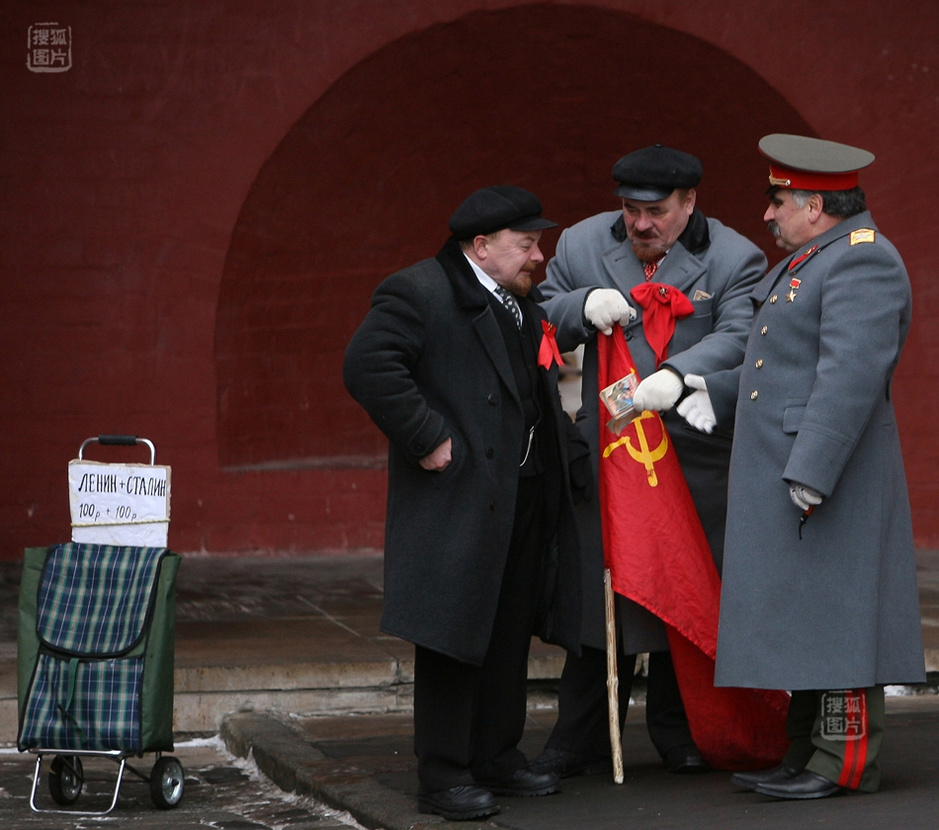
<point>855,756</point>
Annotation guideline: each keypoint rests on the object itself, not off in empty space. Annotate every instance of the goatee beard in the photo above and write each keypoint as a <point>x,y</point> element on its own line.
<point>646,252</point>
<point>521,285</point>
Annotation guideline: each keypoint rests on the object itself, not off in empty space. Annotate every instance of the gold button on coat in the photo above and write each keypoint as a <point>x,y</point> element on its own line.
<point>764,330</point>
<point>754,395</point>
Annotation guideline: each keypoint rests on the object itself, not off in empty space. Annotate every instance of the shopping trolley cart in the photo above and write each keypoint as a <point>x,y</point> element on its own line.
<point>96,634</point>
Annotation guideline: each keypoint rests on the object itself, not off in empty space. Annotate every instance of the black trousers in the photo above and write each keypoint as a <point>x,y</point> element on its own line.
<point>583,724</point>
<point>468,720</point>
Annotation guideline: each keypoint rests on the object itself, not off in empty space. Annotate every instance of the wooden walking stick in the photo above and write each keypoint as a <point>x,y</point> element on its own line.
<point>612,679</point>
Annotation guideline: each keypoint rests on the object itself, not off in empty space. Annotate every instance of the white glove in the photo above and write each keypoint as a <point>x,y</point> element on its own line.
<point>606,306</point>
<point>696,409</point>
<point>659,391</point>
<point>804,497</point>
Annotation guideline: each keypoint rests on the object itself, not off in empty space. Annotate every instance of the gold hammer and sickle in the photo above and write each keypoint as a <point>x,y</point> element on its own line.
<point>644,454</point>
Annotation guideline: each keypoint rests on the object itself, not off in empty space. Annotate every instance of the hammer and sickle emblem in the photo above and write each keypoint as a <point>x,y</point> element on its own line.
<point>644,454</point>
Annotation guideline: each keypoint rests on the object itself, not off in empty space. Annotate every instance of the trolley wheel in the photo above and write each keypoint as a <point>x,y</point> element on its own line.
<point>66,778</point>
<point>166,782</point>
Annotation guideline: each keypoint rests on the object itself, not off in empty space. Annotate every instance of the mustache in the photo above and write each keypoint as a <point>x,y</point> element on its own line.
<point>773,227</point>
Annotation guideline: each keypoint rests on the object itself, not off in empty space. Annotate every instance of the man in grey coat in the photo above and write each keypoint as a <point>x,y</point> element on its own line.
<point>658,239</point>
<point>819,592</point>
<point>456,363</point>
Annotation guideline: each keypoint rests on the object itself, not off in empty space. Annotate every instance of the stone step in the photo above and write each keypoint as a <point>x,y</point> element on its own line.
<point>209,688</point>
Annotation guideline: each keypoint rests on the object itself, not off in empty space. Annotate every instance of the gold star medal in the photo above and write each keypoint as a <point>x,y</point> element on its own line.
<point>793,287</point>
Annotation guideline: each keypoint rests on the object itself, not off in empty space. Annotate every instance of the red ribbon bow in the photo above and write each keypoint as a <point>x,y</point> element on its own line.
<point>548,350</point>
<point>662,305</point>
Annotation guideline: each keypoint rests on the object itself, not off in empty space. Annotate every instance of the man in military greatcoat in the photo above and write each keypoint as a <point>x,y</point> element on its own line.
<point>819,591</point>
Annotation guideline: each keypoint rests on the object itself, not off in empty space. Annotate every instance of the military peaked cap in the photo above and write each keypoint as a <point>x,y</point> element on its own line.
<point>804,163</point>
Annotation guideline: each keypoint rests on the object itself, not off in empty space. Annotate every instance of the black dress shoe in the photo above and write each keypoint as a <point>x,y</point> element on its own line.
<point>750,780</point>
<point>565,764</point>
<point>804,785</point>
<point>686,759</point>
<point>523,782</point>
<point>459,803</point>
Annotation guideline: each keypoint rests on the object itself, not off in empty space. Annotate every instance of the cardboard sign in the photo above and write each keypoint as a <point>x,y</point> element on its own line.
<point>119,504</point>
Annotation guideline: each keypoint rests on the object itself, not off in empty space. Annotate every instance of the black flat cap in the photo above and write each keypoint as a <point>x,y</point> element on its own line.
<point>652,173</point>
<point>495,208</point>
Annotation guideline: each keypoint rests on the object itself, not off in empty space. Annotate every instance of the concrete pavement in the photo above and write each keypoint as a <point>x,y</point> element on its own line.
<point>220,791</point>
<point>283,656</point>
<point>364,765</point>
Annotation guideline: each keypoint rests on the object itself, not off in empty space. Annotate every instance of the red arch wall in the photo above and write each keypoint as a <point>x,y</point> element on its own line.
<point>202,203</point>
<point>357,190</point>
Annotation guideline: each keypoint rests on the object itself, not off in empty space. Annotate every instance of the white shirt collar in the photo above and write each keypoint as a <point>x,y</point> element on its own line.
<point>489,283</point>
<point>485,280</point>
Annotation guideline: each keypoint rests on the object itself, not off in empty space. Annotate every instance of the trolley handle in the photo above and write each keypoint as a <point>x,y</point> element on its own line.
<point>119,441</point>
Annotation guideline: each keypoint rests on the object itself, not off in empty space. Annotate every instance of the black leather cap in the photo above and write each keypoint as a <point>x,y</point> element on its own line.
<point>653,173</point>
<point>495,208</point>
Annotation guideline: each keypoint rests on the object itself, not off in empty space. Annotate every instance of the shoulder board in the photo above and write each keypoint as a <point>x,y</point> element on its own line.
<point>863,235</point>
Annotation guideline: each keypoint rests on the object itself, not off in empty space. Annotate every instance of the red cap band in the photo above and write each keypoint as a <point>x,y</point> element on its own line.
<point>803,180</point>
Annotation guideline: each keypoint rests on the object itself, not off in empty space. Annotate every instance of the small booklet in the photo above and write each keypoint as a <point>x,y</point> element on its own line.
<point>618,399</point>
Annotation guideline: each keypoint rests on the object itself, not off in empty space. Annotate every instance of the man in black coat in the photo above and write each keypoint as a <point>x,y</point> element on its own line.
<point>456,363</point>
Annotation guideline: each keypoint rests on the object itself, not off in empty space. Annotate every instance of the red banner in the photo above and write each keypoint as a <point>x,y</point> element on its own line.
<point>659,557</point>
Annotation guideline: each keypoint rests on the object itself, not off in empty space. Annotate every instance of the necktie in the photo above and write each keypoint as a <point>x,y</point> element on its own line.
<point>509,302</point>
<point>649,268</point>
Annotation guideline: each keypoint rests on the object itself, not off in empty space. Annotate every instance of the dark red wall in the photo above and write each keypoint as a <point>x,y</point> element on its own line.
<point>195,214</point>
<point>363,183</point>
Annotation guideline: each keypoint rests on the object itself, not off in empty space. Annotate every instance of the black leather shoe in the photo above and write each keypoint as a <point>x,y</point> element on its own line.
<point>804,785</point>
<point>523,782</point>
<point>750,780</point>
<point>459,803</point>
<point>686,759</point>
<point>565,764</point>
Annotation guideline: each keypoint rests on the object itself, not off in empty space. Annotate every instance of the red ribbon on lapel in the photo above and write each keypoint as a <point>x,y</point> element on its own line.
<point>803,257</point>
<point>662,305</point>
<point>548,350</point>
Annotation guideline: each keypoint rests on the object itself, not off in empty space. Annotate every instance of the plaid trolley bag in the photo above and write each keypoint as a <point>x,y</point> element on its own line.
<point>95,663</point>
